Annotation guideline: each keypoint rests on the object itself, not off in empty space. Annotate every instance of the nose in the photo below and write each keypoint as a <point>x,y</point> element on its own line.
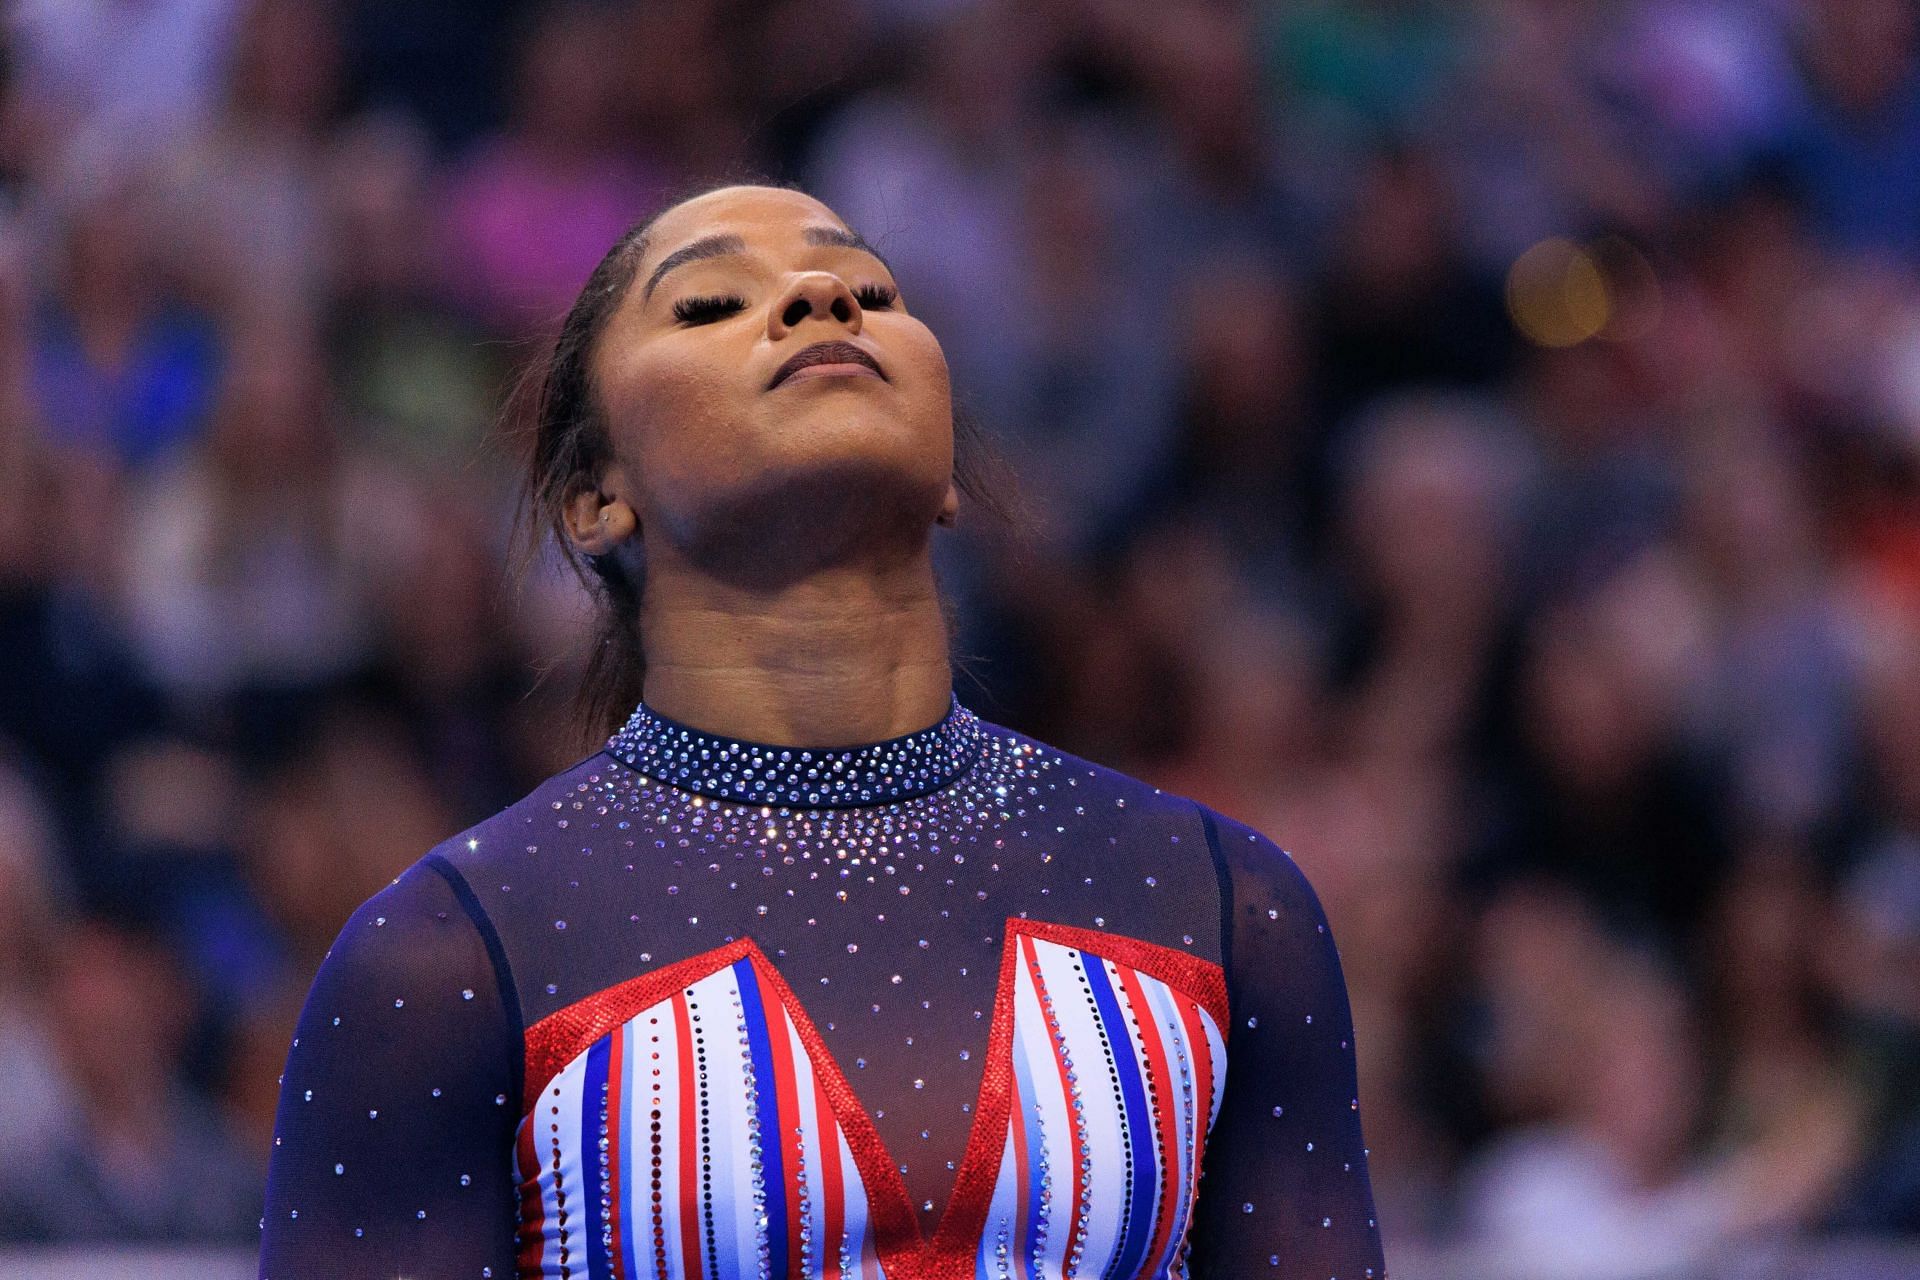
<point>814,293</point>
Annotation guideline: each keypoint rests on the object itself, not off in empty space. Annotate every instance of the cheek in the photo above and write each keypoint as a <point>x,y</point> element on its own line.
<point>926,380</point>
<point>668,412</point>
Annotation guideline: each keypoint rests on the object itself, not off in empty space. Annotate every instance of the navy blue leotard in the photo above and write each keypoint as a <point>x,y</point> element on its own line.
<point>952,1004</point>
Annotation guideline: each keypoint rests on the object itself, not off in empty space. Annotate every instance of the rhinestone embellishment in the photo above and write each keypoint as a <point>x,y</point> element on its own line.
<point>816,777</point>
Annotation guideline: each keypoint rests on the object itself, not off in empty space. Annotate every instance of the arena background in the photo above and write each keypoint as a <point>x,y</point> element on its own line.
<point>1477,444</point>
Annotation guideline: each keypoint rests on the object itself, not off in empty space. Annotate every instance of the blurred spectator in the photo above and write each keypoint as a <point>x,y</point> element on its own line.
<point>1605,1071</point>
<point>34,902</point>
<point>121,365</point>
<point>247,572</point>
<point>1608,489</point>
<point>1883,902</point>
<point>415,380</point>
<point>1855,144</point>
<point>1087,415</point>
<point>445,662</point>
<point>440,65</point>
<point>1397,304</point>
<point>1244,461</point>
<point>529,212</point>
<point>139,1158</point>
<point>74,692</point>
<point>329,827</point>
<point>1432,490</point>
<point>1604,796</point>
<point>1876,966</point>
<point>102,83</point>
<point>1373,67</point>
<point>1775,692</point>
<point>246,221</point>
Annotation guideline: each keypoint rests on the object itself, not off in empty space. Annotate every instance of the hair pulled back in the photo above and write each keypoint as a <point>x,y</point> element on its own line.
<point>566,444</point>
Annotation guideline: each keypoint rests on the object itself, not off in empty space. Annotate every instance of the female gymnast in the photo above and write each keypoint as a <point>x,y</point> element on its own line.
<point>809,971</point>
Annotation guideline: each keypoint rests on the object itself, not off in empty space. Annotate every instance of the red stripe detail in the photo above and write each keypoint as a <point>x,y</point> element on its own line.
<point>1160,1088</point>
<point>1066,1089</point>
<point>559,1038</point>
<point>889,1210</point>
<point>692,1248</point>
<point>565,1034</point>
<point>1202,980</point>
<point>1203,1063</point>
<point>533,1216</point>
<point>832,1195</point>
<point>615,1097</point>
<point>1017,1121</point>
<point>787,1123</point>
<point>1203,1067</point>
<point>955,1248</point>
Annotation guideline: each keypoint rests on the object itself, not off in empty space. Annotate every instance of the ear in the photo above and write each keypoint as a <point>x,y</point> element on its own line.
<point>597,519</point>
<point>950,507</point>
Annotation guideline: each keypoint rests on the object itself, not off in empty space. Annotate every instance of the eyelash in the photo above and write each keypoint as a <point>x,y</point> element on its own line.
<point>871,297</point>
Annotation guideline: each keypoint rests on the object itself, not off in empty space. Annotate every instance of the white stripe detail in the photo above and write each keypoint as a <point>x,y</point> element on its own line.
<point>1104,1168</point>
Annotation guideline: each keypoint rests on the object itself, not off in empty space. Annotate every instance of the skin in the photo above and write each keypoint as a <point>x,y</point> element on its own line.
<point>786,532</point>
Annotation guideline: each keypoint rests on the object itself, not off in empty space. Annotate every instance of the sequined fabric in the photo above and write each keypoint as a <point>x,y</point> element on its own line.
<point>954,1002</point>
<point>641,1091</point>
<point>759,773</point>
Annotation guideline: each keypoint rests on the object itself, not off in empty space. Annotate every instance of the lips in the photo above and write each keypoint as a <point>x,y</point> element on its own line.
<point>824,353</point>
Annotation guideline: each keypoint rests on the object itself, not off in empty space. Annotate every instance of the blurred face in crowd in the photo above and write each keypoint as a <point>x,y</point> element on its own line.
<point>728,452</point>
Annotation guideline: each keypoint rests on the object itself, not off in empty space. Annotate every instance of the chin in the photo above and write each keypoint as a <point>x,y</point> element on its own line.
<point>846,489</point>
<point>840,429</point>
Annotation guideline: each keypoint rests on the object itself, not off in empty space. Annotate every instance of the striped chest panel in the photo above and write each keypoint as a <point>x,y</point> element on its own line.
<point>690,1124</point>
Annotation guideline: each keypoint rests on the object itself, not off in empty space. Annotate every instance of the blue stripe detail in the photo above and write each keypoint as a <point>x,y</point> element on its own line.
<point>597,1054</point>
<point>1137,1230</point>
<point>767,1096</point>
<point>628,1259</point>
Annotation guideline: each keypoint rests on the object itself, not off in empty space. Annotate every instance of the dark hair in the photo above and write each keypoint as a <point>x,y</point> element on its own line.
<point>556,411</point>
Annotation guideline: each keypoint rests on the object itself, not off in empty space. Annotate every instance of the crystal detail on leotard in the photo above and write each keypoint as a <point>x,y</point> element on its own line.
<point>816,777</point>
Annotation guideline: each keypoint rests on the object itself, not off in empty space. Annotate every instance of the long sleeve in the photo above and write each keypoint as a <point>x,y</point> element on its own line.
<point>393,1140</point>
<point>1284,1190</point>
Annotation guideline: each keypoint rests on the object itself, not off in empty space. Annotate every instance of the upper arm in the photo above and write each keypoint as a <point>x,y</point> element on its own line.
<point>1285,1189</point>
<point>393,1140</point>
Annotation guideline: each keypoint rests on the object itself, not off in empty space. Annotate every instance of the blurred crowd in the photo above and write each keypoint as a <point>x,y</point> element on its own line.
<point>1475,443</point>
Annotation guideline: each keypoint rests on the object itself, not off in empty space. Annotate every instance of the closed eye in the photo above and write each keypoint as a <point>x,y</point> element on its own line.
<point>707,309</point>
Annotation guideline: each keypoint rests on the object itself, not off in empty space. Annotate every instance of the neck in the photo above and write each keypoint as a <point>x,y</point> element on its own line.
<point>851,654</point>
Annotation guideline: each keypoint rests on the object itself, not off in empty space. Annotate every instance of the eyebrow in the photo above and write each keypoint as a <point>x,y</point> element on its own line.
<point>726,245</point>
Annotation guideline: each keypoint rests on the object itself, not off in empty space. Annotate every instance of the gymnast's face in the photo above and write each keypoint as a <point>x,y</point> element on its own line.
<point>720,448</point>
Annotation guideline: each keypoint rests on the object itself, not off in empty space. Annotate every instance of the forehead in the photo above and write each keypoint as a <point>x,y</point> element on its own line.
<point>756,214</point>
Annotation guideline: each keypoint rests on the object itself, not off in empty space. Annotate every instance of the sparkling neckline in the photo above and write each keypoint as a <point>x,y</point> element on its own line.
<point>712,764</point>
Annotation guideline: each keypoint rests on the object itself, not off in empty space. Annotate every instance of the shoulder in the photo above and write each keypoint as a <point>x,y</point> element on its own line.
<point>1096,789</point>
<point>1239,847</point>
<point>1240,852</point>
<point>407,946</point>
<point>1247,849</point>
<point>472,855</point>
<point>429,916</point>
<point>1265,887</point>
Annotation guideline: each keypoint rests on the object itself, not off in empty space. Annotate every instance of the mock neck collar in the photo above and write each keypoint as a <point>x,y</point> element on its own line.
<point>737,769</point>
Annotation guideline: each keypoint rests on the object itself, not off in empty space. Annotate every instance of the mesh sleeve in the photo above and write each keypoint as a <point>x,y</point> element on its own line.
<point>393,1139</point>
<point>1284,1190</point>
